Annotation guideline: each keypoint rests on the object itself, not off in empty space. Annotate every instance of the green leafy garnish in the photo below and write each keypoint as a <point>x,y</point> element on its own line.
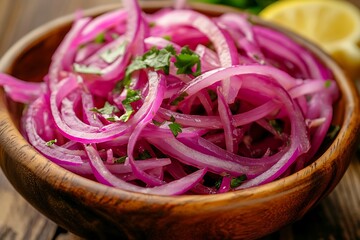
<point>167,37</point>
<point>235,182</point>
<point>218,183</point>
<point>128,111</point>
<point>111,55</point>
<point>157,123</point>
<point>120,159</point>
<point>174,127</point>
<point>144,155</point>
<point>100,38</point>
<point>212,94</point>
<point>186,60</point>
<point>333,131</point>
<point>327,83</point>
<point>178,99</point>
<point>51,142</point>
<point>277,124</point>
<point>86,69</point>
<point>159,59</point>
<point>108,109</point>
<point>131,96</point>
<point>108,112</point>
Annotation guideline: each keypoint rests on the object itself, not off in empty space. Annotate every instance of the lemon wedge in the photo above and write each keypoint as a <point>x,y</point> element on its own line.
<point>334,25</point>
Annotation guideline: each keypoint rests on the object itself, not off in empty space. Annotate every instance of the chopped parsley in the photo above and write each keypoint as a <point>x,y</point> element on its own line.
<point>144,155</point>
<point>178,99</point>
<point>174,127</point>
<point>327,83</point>
<point>100,38</point>
<point>277,124</point>
<point>51,142</point>
<point>167,37</point>
<point>128,111</point>
<point>159,59</point>
<point>186,60</point>
<point>86,69</point>
<point>131,96</point>
<point>212,94</point>
<point>333,131</point>
<point>120,159</point>
<point>157,123</point>
<point>108,109</point>
<point>108,112</point>
<point>236,182</point>
<point>111,55</point>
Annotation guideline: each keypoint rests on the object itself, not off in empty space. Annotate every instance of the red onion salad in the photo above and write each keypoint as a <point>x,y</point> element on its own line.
<point>176,102</point>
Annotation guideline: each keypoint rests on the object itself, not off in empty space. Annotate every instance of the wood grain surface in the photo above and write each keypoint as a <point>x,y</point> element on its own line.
<point>336,217</point>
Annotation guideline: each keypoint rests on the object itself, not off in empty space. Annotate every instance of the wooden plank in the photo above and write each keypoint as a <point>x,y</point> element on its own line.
<point>19,220</point>
<point>336,217</point>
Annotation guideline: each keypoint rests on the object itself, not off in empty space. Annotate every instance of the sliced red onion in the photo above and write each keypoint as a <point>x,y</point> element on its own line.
<point>265,118</point>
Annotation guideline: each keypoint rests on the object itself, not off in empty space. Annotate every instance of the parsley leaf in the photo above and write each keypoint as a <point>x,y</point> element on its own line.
<point>108,109</point>
<point>120,159</point>
<point>235,182</point>
<point>327,83</point>
<point>159,59</point>
<point>186,60</point>
<point>128,111</point>
<point>100,38</point>
<point>51,142</point>
<point>157,123</point>
<point>86,69</point>
<point>144,155</point>
<point>212,94</point>
<point>135,65</point>
<point>131,96</point>
<point>178,99</point>
<point>174,127</point>
<point>277,124</point>
<point>111,55</point>
<point>333,131</point>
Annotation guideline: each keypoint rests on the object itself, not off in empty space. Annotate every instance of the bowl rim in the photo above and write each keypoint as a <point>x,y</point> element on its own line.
<point>241,197</point>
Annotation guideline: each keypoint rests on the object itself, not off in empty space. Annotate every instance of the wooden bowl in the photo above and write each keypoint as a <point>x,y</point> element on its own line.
<point>92,210</point>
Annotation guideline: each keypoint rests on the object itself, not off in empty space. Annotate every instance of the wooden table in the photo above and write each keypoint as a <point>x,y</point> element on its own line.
<point>336,217</point>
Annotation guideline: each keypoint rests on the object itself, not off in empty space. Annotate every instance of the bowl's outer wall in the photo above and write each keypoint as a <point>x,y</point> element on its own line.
<point>95,211</point>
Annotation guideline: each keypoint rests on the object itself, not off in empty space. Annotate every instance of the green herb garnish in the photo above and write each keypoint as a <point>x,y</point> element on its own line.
<point>327,83</point>
<point>51,142</point>
<point>159,59</point>
<point>157,123</point>
<point>235,182</point>
<point>108,109</point>
<point>174,127</point>
<point>212,94</point>
<point>178,99</point>
<point>144,155</point>
<point>120,159</point>
<point>111,55</point>
<point>185,62</point>
<point>100,38</point>
<point>277,124</point>
<point>86,69</point>
<point>333,131</point>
